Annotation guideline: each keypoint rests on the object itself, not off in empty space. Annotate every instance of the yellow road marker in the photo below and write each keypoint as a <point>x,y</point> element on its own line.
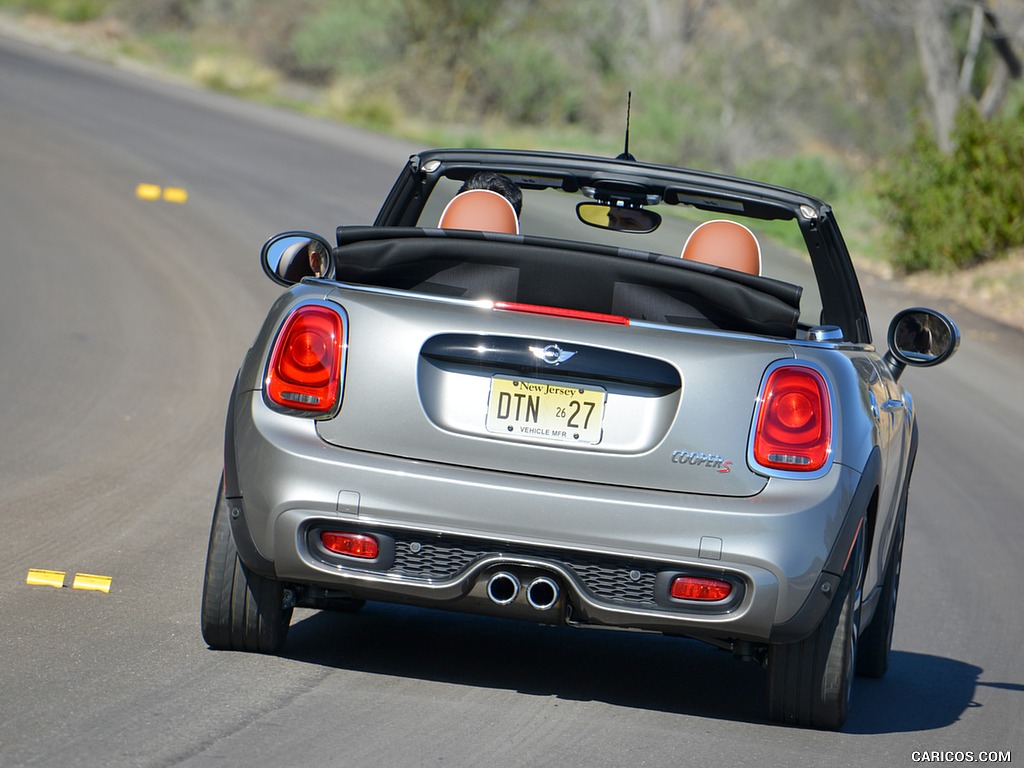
<point>39,577</point>
<point>156,192</point>
<point>147,192</point>
<point>91,582</point>
<point>175,195</point>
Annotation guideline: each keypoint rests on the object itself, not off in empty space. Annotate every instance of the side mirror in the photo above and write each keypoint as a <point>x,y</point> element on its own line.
<point>291,256</point>
<point>618,218</point>
<point>922,338</point>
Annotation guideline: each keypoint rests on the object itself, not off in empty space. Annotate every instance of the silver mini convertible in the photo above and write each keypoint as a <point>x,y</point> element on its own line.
<point>578,391</point>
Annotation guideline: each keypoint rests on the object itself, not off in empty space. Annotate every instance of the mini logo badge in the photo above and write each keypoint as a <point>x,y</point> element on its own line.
<point>552,354</point>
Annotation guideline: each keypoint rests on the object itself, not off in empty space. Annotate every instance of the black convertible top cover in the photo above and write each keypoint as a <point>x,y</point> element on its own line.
<point>581,276</point>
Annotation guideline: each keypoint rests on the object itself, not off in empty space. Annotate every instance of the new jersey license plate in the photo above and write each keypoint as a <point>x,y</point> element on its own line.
<point>545,411</point>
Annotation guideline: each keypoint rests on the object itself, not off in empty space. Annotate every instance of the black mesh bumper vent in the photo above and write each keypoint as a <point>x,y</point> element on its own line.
<point>607,578</point>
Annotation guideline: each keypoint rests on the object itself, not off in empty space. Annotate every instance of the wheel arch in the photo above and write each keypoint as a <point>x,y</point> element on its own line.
<point>861,512</point>
<point>248,552</point>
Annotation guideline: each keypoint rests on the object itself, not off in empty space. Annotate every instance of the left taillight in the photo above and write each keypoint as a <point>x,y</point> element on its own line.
<point>794,423</point>
<point>304,372</point>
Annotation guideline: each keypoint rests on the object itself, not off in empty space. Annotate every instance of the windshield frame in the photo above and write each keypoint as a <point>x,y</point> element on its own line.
<point>833,295</point>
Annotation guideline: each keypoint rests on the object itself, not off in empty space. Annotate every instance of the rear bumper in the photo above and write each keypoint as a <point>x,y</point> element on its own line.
<point>609,551</point>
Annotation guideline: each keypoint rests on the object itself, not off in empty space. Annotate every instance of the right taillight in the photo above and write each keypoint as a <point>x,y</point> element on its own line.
<point>304,373</point>
<point>794,423</point>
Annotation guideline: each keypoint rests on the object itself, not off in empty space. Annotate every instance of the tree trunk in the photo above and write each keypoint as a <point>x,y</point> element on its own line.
<point>938,63</point>
<point>671,25</point>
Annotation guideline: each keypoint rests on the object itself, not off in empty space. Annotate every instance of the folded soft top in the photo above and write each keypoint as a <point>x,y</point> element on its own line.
<point>637,284</point>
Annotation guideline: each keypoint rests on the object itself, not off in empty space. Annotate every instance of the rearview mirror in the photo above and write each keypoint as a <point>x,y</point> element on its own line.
<point>920,337</point>
<point>618,218</point>
<point>291,256</point>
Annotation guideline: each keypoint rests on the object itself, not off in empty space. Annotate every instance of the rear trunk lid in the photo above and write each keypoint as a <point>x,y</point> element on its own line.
<point>456,382</point>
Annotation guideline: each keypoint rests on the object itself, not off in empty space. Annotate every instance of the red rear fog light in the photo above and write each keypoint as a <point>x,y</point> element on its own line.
<point>700,588</point>
<point>351,544</point>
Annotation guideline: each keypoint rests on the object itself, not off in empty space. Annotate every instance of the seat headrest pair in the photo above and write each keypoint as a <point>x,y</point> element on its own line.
<point>720,243</point>
<point>480,209</point>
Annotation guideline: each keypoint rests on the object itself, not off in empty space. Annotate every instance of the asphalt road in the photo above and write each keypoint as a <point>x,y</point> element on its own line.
<point>122,322</point>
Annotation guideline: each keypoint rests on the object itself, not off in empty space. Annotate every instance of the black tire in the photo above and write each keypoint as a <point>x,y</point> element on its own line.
<point>241,610</point>
<point>876,640</point>
<point>810,682</point>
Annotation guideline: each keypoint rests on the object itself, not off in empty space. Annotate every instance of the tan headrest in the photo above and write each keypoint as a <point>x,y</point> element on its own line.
<point>480,209</point>
<point>724,243</point>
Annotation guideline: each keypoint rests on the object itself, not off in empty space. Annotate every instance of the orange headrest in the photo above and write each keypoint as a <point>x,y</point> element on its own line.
<point>724,243</point>
<point>480,209</point>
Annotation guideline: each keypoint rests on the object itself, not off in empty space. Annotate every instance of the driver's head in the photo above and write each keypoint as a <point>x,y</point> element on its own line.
<point>496,182</point>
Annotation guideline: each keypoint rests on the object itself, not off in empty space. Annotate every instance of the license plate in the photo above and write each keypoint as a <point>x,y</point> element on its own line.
<point>545,411</point>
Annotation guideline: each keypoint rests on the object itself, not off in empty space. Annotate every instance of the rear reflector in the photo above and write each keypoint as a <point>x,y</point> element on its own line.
<point>574,314</point>
<point>700,588</point>
<point>351,544</point>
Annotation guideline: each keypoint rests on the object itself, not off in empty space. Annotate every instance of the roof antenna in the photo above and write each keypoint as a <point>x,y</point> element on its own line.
<point>625,153</point>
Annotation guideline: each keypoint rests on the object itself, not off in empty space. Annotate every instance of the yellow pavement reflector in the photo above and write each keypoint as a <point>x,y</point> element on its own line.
<point>147,192</point>
<point>39,577</point>
<point>92,582</point>
<point>175,195</point>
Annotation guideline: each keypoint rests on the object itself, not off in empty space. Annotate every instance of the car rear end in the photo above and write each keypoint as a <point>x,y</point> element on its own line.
<point>563,467</point>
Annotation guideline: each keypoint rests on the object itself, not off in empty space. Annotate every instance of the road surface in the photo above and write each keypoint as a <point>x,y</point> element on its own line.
<point>122,321</point>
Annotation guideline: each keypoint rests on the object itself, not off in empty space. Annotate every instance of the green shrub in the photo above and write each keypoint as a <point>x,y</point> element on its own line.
<point>673,122</point>
<point>952,211</point>
<point>526,82</point>
<point>341,40</point>
<point>811,174</point>
<point>72,11</point>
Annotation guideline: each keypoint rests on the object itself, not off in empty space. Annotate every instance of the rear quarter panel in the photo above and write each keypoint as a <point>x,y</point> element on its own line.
<point>862,386</point>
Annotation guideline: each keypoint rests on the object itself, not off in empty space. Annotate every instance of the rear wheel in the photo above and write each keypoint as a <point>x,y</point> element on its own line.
<point>810,682</point>
<point>241,610</point>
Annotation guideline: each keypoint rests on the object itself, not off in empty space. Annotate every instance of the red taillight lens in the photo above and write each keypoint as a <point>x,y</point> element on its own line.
<point>794,425</point>
<point>305,367</point>
<point>351,544</point>
<point>700,588</point>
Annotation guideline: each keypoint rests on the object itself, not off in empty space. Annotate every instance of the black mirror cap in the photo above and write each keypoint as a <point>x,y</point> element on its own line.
<point>289,257</point>
<point>922,338</point>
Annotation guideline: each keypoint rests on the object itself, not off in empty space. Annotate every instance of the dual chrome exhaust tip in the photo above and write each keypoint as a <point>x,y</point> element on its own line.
<point>541,592</point>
